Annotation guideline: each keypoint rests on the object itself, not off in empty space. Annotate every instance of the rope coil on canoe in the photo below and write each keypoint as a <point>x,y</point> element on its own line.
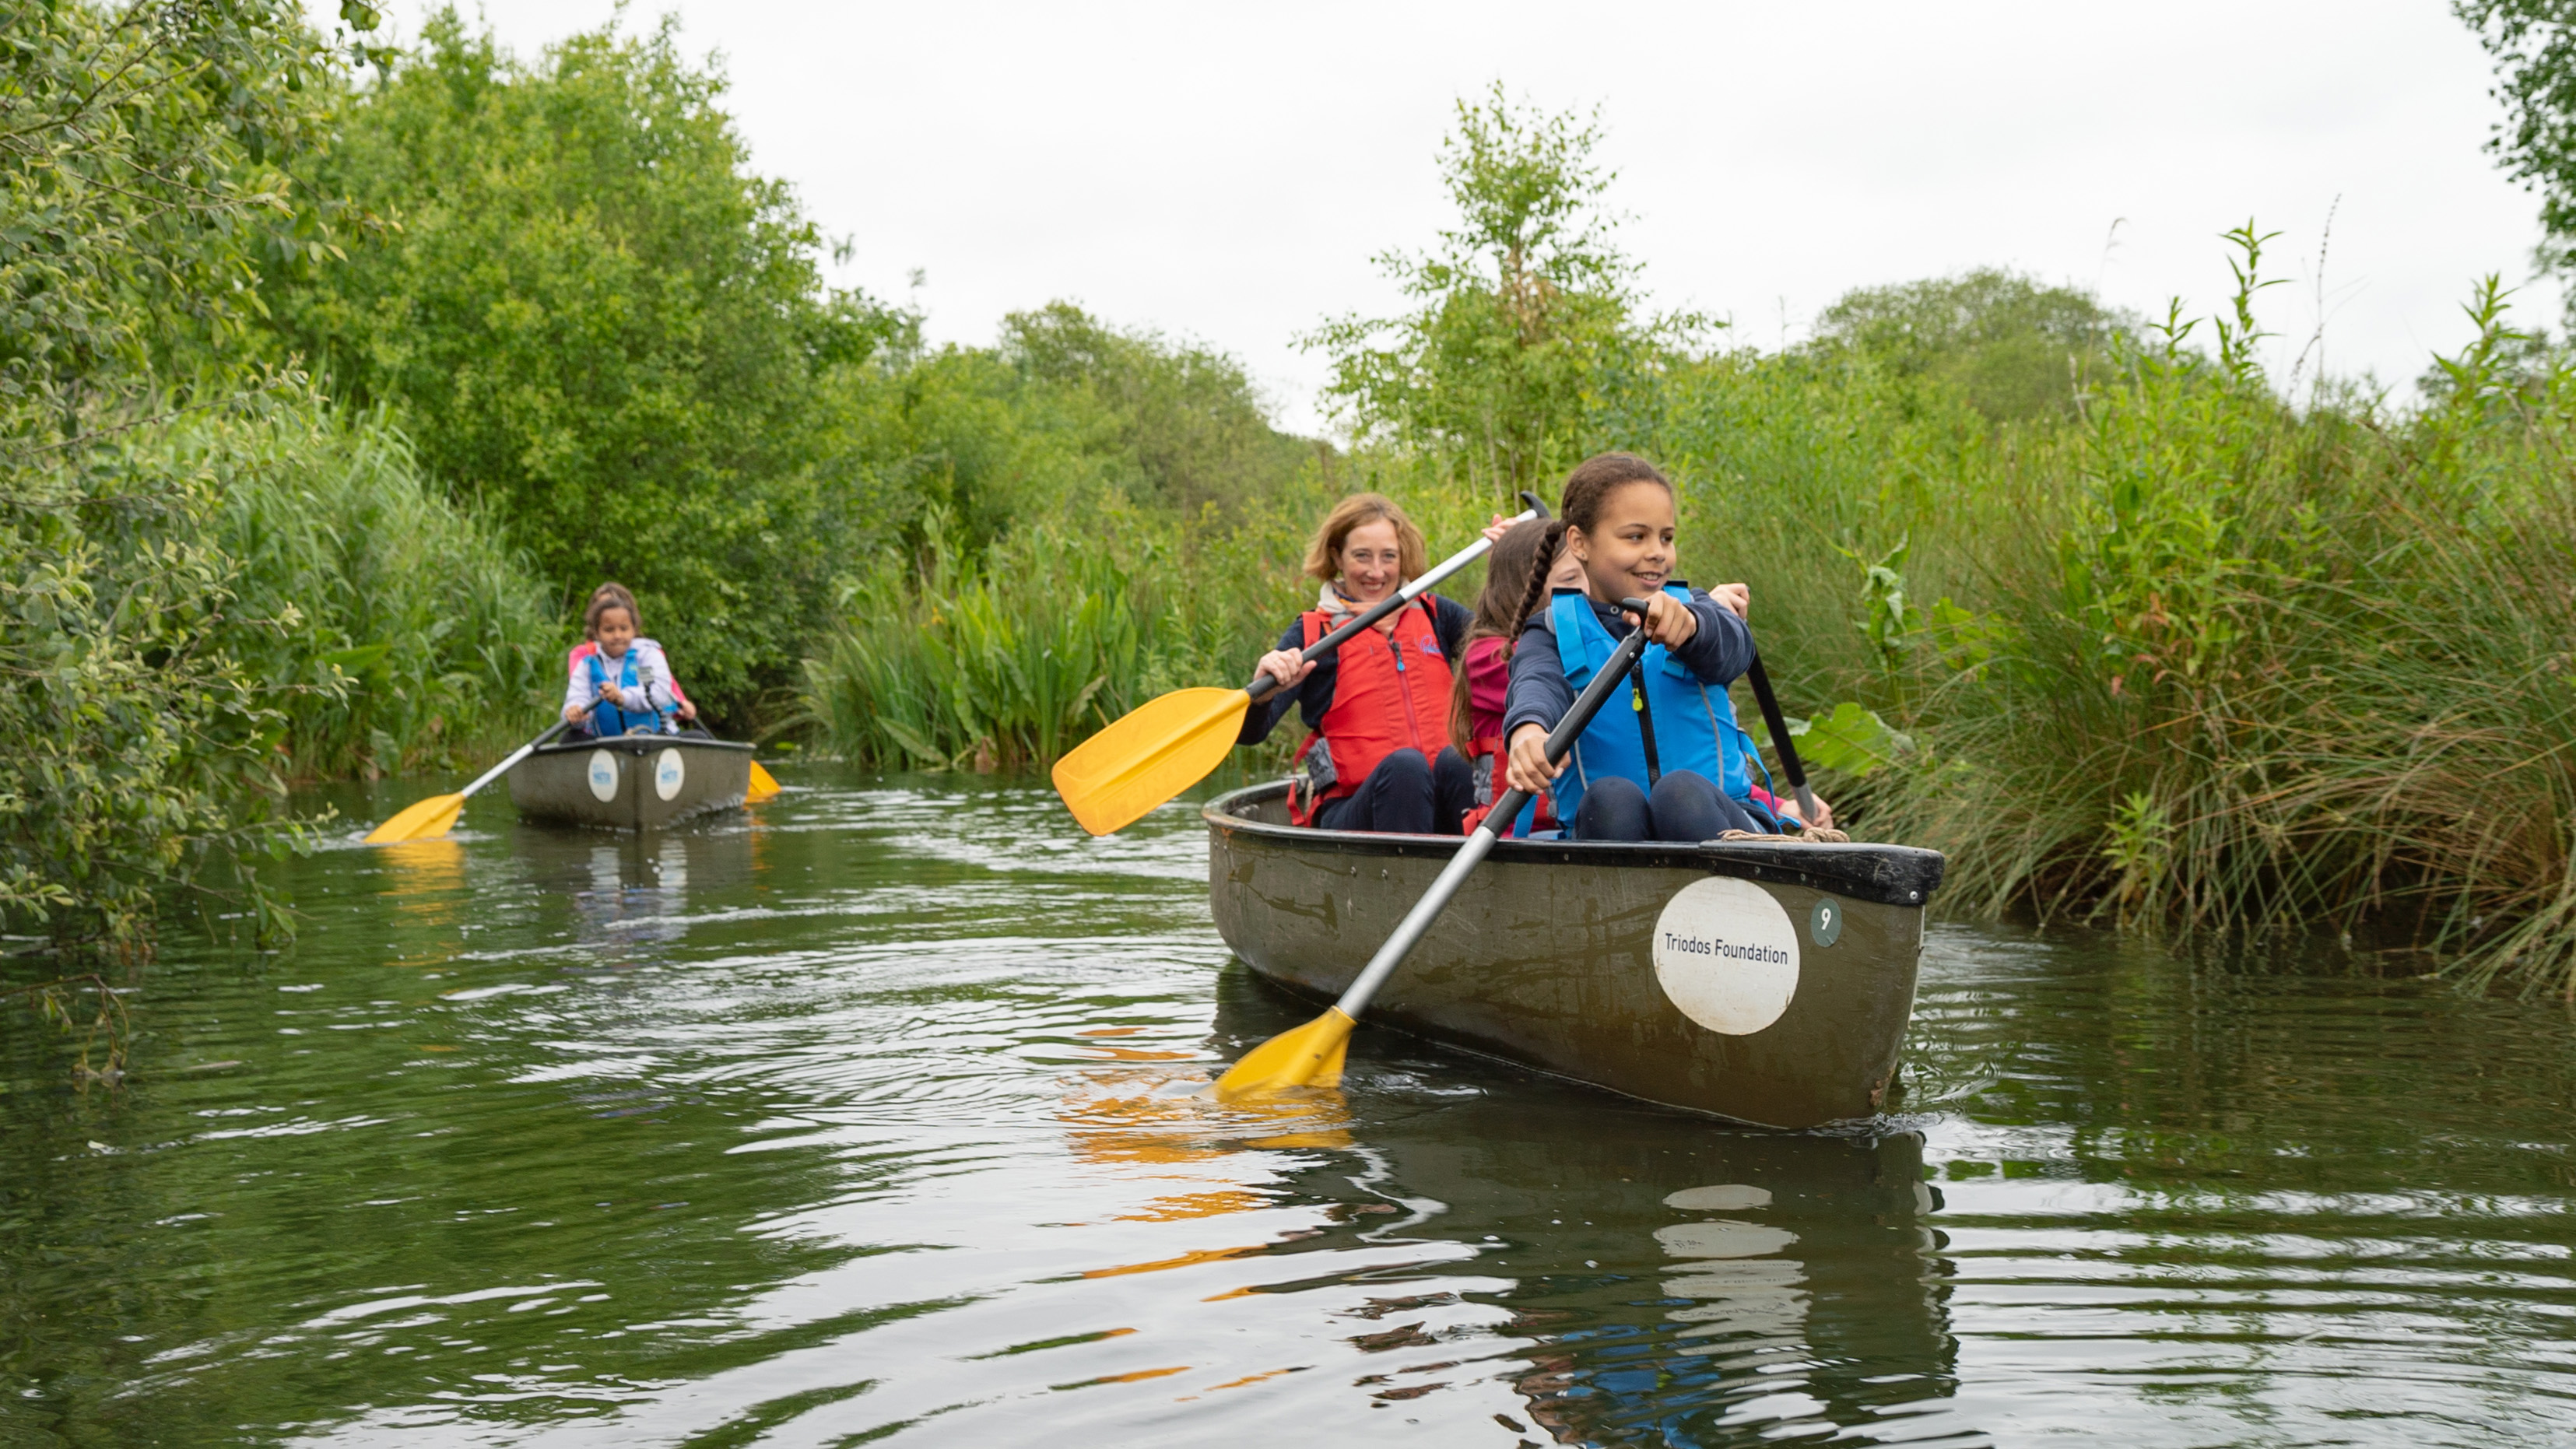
<point>1810,835</point>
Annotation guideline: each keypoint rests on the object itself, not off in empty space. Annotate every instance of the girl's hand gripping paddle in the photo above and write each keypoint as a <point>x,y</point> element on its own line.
<point>1166,745</point>
<point>1311,1055</point>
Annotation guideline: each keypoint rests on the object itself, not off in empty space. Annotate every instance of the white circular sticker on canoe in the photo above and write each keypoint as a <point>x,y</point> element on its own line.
<point>603,774</point>
<point>1727,955</point>
<point>669,770</point>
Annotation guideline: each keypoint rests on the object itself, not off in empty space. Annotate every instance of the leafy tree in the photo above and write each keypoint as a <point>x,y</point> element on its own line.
<point>143,156</point>
<point>2012,346</point>
<point>596,320</point>
<point>2533,44</point>
<point>1043,428</point>
<point>961,436</point>
<point>1187,422</point>
<point>1527,313</point>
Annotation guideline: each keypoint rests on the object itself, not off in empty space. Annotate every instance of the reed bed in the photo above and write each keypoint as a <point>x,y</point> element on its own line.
<point>393,629</point>
<point>2199,662</point>
<point>1008,657</point>
<point>953,658</point>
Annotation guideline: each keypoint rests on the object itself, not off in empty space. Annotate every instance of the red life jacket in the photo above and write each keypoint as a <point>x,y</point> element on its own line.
<point>1392,694</point>
<point>1540,812</point>
<point>1494,786</point>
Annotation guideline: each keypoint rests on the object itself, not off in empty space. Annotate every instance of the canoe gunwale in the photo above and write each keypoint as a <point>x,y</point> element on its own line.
<point>638,745</point>
<point>1891,875</point>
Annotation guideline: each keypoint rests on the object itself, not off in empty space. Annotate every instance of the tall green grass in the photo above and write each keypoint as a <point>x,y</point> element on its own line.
<point>2199,661</point>
<point>954,658</point>
<point>392,628</point>
<point>2272,669</point>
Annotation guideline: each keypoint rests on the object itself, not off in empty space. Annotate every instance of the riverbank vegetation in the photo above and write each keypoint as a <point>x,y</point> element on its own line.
<point>333,376</point>
<point>168,490</point>
<point>2194,658</point>
<point>2135,630</point>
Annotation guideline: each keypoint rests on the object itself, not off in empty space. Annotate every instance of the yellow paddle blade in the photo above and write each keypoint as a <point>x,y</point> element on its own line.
<point>764,785</point>
<point>419,820</point>
<point>1152,753</point>
<point>1306,1056</point>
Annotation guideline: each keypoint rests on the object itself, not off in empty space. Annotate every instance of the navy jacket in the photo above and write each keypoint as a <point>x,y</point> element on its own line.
<point>1449,622</point>
<point>1539,694</point>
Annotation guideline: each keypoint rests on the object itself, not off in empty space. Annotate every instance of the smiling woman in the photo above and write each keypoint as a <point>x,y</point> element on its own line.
<point>1376,755</point>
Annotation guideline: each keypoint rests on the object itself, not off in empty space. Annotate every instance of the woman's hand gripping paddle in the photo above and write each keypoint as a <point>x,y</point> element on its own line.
<point>1778,724</point>
<point>437,814</point>
<point>1166,745</point>
<point>1311,1055</point>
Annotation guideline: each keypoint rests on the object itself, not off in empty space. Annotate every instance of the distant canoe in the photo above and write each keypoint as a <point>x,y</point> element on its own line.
<point>631,782</point>
<point>1766,983</point>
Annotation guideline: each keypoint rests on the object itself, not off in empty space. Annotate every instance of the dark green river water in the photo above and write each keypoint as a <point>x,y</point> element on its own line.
<point>866,1117</point>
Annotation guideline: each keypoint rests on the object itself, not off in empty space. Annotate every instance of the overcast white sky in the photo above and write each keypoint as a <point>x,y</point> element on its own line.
<point>1226,173</point>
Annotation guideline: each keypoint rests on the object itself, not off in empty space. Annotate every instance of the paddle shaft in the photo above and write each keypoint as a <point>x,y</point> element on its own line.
<point>1779,727</point>
<point>521,753</point>
<point>1409,931</point>
<point>1263,686</point>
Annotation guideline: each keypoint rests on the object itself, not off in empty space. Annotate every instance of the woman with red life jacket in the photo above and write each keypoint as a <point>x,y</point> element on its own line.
<point>617,682</point>
<point>1377,753</point>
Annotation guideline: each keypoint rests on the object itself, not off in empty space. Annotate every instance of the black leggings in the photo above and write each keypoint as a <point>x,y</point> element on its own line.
<point>1684,806</point>
<point>1406,795</point>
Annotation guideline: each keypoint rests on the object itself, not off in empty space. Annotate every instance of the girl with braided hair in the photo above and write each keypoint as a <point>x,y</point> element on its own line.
<point>1676,766</point>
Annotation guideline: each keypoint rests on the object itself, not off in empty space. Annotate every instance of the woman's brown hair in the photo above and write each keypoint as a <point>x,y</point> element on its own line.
<point>604,598</point>
<point>1324,555</point>
<point>1507,573</point>
<point>1586,489</point>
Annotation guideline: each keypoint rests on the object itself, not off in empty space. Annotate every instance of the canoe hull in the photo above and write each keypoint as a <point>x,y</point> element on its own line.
<point>1779,995</point>
<point>632,782</point>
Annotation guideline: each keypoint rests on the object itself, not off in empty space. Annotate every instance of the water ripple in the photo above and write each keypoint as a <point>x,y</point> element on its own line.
<point>870,1116</point>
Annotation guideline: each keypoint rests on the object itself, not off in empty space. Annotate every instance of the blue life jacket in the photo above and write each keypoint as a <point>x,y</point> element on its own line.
<point>608,719</point>
<point>1695,725</point>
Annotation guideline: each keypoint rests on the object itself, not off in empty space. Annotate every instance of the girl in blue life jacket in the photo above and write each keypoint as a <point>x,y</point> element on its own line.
<point>619,683</point>
<point>1617,522</point>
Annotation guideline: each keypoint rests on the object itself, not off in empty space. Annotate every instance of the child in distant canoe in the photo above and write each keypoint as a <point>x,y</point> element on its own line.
<point>617,681</point>
<point>1618,521</point>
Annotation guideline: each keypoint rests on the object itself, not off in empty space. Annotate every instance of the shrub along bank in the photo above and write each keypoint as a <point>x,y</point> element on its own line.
<point>2194,660</point>
<point>207,582</point>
